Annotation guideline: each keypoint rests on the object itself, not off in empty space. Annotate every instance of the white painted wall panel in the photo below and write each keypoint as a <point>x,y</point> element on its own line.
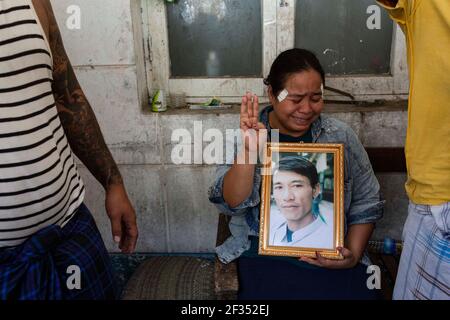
<point>106,34</point>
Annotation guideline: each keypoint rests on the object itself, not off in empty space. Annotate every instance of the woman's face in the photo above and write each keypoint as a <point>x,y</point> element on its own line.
<point>303,105</point>
<point>293,194</point>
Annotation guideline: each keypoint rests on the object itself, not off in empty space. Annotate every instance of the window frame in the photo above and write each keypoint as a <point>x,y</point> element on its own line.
<point>278,35</point>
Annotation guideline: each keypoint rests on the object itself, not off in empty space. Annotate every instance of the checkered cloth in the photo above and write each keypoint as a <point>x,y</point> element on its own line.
<point>39,268</point>
<point>424,271</point>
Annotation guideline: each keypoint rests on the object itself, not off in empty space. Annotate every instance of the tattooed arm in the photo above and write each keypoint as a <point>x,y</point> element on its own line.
<point>86,140</point>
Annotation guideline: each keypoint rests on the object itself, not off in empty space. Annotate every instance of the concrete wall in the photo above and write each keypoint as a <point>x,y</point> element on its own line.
<point>174,214</point>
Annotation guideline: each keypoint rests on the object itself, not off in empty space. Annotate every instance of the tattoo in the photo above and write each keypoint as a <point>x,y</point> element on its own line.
<point>77,118</point>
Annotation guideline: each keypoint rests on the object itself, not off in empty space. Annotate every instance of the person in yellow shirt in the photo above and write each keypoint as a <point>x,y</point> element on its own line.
<point>424,271</point>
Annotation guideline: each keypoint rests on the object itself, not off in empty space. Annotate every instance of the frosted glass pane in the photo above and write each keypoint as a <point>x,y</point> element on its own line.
<point>215,38</point>
<point>337,32</point>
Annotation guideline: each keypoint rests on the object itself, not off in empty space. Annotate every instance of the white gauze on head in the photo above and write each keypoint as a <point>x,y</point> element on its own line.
<point>283,94</point>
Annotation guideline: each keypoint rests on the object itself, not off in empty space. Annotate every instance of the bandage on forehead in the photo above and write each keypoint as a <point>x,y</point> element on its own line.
<point>283,94</point>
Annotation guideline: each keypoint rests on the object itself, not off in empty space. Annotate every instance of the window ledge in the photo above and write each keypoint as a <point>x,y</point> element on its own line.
<point>384,106</point>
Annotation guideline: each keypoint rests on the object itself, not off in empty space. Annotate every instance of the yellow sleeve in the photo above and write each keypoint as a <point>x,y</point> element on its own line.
<point>397,13</point>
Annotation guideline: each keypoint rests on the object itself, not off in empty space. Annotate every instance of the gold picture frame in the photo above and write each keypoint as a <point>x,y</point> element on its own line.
<point>276,239</point>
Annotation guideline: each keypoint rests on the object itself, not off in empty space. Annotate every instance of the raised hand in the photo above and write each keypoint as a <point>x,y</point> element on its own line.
<point>251,134</point>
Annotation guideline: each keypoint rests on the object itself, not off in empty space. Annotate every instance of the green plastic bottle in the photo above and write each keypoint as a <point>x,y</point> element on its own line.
<point>159,103</point>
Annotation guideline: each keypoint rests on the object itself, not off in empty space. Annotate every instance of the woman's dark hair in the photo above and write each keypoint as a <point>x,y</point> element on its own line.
<point>300,166</point>
<point>290,62</point>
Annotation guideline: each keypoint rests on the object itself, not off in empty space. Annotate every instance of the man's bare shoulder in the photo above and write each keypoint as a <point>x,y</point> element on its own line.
<point>41,7</point>
<point>43,4</point>
<point>45,13</point>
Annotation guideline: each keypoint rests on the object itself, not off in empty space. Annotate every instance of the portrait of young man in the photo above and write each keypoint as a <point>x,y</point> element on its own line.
<point>297,216</point>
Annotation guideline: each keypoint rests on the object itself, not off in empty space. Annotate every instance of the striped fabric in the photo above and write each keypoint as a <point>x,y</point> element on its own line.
<point>38,268</point>
<point>424,271</point>
<point>39,183</point>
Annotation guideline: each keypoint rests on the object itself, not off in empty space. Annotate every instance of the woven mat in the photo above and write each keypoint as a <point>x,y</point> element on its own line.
<point>172,278</point>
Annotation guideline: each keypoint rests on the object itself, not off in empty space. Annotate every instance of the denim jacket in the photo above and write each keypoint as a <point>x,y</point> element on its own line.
<point>362,200</point>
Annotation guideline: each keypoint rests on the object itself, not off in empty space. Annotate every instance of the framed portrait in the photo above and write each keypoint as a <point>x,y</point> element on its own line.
<point>302,209</point>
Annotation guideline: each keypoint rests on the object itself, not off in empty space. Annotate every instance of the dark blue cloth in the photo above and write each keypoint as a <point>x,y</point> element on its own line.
<point>306,138</point>
<point>38,269</point>
<point>286,278</point>
<point>272,279</point>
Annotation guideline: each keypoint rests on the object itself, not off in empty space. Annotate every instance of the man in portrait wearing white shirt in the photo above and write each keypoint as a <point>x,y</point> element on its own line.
<point>295,187</point>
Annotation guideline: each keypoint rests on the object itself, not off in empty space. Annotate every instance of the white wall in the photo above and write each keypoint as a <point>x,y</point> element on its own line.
<point>174,214</point>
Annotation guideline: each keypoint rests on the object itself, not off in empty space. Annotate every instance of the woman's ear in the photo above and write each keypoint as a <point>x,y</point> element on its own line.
<point>272,98</point>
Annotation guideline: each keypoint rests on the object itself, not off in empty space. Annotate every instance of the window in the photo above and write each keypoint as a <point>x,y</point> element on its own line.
<point>337,32</point>
<point>224,47</point>
<point>210,38</point>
